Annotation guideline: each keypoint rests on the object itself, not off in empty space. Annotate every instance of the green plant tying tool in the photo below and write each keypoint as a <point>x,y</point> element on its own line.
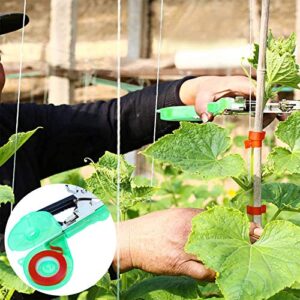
<point>49,264</point>
<point>227,105</point>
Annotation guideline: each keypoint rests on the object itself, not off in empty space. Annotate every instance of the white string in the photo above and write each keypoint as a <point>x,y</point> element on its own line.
<point>250,67</point>
<point>157,80</point>
<point>18,100</point>
<point>250,88</point>
<point>118,136</point>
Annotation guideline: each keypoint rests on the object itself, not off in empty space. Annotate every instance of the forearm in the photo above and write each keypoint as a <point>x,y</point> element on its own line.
<point>138,114</point>
<point>71,133</point>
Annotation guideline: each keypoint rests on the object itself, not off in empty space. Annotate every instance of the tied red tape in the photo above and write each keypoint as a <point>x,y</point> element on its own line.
<point>255,139</point>
<point>256,210</point>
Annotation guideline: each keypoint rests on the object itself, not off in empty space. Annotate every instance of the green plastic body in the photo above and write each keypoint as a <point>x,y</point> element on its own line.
<point>40,230</point>
<point>188,113</point>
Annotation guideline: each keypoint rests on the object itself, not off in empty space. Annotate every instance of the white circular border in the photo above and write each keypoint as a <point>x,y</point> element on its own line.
<point>92,249</point>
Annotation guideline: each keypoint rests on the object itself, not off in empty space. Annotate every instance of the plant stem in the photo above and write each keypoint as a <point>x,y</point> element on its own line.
<point>241,184</point>
<point>9,294</point>
<point>251,176</point>
<point>276,215</point>
<point>175,202</point>
<point>297,210</point>
<point>123,276</point>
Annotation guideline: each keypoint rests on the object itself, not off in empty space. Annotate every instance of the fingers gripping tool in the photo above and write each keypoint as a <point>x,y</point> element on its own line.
<point>227,106</point>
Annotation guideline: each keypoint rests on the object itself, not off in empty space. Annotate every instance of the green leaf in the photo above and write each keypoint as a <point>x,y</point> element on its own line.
<point>284,295</point>
<point>103,182</point>
<point>289,131</point>
<point>283,161</point>
<point>220,239</point>
<point>10,280</point>
<point>283,195</point>
<point>241,200</point>
<point>69,177</point>
<point>281,67</point>
<point>209,289</point>
<point>287,160</point>
<point>254,59</point>
<point>163,288</point>
<point>6,194</point>
<point>282,45</point>
<point>198,149</point>
<point>13,144</point>
<point>110,162</point>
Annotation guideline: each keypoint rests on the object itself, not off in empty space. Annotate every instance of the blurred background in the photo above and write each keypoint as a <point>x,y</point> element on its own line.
<point>199,37</point>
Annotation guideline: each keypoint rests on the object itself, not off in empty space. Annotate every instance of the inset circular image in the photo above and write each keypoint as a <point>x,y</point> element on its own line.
<point>60,239</point>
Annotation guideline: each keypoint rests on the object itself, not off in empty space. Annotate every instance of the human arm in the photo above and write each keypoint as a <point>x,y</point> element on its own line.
<point>155,243</point>
<point>71,133</point>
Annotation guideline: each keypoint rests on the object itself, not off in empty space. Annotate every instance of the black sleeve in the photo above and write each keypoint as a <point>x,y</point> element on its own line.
<point>71,133</point>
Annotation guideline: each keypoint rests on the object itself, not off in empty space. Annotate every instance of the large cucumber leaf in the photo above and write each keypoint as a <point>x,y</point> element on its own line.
<point>14,143</point>
<point>220,238</point>
<point>286,160</point>
<point>283,195</point>
<point>6,194</point>
<point>198,149</point>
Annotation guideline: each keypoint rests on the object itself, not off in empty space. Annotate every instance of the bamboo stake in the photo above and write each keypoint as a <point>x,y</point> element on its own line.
<point>258,123</point>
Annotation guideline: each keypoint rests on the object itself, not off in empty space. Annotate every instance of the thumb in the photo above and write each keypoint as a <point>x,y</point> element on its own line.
<point>255,232</point>
<point>201,103</point>
<point>197,271</point>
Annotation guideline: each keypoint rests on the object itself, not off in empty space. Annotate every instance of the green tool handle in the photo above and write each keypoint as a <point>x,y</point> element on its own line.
<point>188,113</point>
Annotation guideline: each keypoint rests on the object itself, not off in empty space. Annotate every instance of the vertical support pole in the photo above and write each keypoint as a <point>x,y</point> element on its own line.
<point>138,29</point>
<point>296,91</point>
<point>258,123</point>
<point>62,48</point>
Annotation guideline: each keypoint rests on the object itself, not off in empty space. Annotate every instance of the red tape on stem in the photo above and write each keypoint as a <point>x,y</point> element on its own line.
<point>255,139</point>
<point>256,210</point>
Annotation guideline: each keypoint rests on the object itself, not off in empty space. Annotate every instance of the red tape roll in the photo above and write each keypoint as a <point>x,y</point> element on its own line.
<point>51,280</point>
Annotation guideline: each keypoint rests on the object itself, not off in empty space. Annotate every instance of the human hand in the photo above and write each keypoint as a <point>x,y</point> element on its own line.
<point>155,243</point>
<point>202,90</point>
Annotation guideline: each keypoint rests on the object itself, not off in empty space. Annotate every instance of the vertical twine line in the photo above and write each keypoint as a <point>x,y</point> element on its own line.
<point>118,137</point>
<point>18,101</point>
<point>251,10</point>
<point>157,80</point>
